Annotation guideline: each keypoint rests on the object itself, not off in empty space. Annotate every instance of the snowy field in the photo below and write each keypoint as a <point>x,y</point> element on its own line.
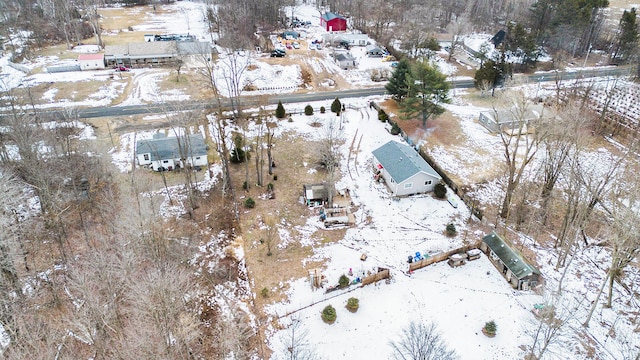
<point>459,300</point>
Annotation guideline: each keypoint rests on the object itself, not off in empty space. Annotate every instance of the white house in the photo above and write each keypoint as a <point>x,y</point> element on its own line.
<point>404,171</point>
<point>346,61</point>
<point>168,153</point>
<point>91,61</point>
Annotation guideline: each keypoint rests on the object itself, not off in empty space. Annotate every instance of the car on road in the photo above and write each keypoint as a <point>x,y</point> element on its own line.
<point>121,68</point>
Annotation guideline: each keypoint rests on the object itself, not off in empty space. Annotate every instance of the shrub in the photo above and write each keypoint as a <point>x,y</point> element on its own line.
<point>353,304</point>
<point>308,110</point>
<point>275,177</point>
<point>270,186</point>
<point>245,185</point>
<point>451,230</point>
<point>280,112</point>
<point>336,106</point>
<point>238,156</point>
<point>490,328</point>
<point>440,191</point>
<point>382,116</point>
<point>395,129</point>
<point>249,203</point>
<point>322,110</point>
<point>264,292</point>
<point>329,314</point>
<point>343,281</point>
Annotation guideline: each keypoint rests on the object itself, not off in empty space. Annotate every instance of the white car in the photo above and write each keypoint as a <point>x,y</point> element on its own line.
<point>295,45</point>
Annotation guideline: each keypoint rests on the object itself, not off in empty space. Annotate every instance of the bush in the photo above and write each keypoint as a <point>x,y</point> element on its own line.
<point>238,156</point>
<point>343,281</point>
<point>308,110</point>
<point>382,116</point>
<point>336,106</point>
<point>440,191</point>
<point>451,230</point>
<point>322,110</point>
<point>353,304</point>
<point>264,292</point>
<point>395,129</point>
<point>249,203</point>
<point>270,186</point>
<point>245,186</point>
<point>280,112</point>
<point>329,314</point>
<point>275,177</point>
<point>490,328</point>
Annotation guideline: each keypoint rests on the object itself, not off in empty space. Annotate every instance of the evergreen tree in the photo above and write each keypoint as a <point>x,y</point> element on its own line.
<point>490,75</point>
<point>627,40</point>
<point>428,89</point>
<point>520,43</point>
<point>397,85</point>
<point>336,106</point>
<point>280,112</point>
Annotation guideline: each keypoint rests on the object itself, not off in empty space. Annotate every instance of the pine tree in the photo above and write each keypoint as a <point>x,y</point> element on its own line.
<point>627,40</point>
<point>397,85</point>
<point>280,112</point>
<point>428,89</point>
<point>336,106</point>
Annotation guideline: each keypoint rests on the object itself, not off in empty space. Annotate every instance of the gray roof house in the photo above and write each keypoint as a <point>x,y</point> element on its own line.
<point>403,170</point>
<point>345,61</point>
<point>510,119</point>
<point>521,274</point>
<point>153,52</point>
<point>167,153</point>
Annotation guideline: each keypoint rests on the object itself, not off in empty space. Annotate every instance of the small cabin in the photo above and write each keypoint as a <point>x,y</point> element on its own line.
<point>519,272</point>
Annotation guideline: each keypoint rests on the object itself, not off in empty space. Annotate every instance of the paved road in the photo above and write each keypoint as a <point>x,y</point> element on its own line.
<point>308,97</point>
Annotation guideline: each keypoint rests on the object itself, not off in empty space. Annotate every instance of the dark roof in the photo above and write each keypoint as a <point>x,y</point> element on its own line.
<point>343,56</point>
<point>514,261</point>
<point>402,161</point>
<point>330,16</point>
<point>167,147</point>
<point>315,191</point>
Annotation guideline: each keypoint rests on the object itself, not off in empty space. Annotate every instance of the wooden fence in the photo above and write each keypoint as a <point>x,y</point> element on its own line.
<point>440,257</point>
<point>380,275</point>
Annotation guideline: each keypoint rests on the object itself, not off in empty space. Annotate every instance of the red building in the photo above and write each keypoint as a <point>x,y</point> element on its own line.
<point>333,22</point>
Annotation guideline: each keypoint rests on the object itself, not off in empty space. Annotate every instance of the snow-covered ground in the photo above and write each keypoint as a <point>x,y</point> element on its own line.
<point>459,300</point>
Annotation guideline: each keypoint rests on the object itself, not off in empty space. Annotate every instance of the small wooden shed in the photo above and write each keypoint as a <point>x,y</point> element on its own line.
<point>315,194</point>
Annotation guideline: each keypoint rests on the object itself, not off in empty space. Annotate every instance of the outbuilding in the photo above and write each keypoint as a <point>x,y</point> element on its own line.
<point>515,118</point>
<point>403,170</point>
<point>520,273</point>
<point>374,51</point>
<point>169,153</point>
<point>91,61</point>
<point>333,22</point>
<point>315,194</point>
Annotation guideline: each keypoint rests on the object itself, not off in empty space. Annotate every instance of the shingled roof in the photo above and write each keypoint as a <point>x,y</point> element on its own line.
<point>402,161</point>
<point>515,262</point>
<point>167,147</point>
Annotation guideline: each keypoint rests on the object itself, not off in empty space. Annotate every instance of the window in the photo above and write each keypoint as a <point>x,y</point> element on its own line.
<point>165,161</point>
<point>408,185</point>
<point>428,182</point>
<point>146,157</point>
<point>197,157</point>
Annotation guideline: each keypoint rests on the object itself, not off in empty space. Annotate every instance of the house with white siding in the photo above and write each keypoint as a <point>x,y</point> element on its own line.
<point>403,170</point>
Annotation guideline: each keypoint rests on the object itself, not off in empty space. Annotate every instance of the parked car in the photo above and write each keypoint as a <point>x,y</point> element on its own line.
<point>312,46</point>
<point>121,68</point>
<point>278,53</point>
<point>295,45</point>
<point>289,46</point>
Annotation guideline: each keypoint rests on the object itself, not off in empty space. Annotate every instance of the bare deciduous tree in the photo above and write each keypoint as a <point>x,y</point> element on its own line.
<point>421,341</point>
